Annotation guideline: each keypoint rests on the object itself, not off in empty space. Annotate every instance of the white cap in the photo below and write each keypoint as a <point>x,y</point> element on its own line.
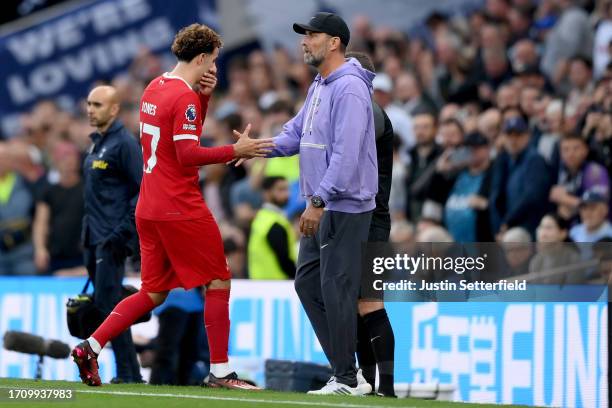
<point>382,82</point>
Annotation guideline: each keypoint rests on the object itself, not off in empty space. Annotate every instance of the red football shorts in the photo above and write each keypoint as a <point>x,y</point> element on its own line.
<point>183,254</point>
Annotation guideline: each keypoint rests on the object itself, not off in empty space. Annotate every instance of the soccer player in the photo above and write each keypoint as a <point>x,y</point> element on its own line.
<point>180,242</point>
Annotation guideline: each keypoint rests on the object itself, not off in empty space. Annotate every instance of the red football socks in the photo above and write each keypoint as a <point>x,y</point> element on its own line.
<point>216,319</point>
<point>123,316</point>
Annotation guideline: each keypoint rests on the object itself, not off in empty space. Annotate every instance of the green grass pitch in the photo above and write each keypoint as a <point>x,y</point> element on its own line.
<point>152,396</point>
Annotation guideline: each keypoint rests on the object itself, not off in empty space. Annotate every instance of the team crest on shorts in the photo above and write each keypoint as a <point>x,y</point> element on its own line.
<point>190,113</point>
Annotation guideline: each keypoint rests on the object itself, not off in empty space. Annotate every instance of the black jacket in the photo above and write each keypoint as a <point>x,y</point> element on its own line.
<point>384,156</point>
<point>421,172</point>
<point>519,191</point>
<point>112,174</point>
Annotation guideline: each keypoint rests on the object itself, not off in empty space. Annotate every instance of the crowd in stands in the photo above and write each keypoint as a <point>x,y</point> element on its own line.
<point>502,117</point>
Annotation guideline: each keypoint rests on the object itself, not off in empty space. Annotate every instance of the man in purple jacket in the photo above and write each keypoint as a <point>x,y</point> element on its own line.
<point>334,135</point>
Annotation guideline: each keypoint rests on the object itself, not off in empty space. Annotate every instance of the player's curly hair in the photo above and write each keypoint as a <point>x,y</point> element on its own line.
<point>193,40</point>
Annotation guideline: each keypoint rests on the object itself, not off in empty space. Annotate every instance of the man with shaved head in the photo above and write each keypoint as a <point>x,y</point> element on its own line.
<point>489,124</point>
<point>112,170</point>
<point>102,107</point>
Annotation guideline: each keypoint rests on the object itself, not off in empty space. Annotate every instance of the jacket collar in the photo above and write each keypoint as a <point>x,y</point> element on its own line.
<point>115,127</point>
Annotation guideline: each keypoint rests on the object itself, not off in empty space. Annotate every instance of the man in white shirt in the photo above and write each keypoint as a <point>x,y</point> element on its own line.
<point>594,224</point>
<point>601,46</point>
<point>401,121</point>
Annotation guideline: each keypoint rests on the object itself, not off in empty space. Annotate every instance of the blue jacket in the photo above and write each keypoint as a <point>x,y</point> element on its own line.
<point>188,301</point>
<point>112,173</point>
<point>334,135</point>
<point>519,190</point>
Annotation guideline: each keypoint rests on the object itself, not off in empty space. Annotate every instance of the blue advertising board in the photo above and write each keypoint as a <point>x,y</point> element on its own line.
<point>545,354</point>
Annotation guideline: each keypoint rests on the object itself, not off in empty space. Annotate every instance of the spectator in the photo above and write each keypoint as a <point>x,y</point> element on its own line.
<point>496,71</point>
<point>533,76</point>
<point>576,175</point>
<point>59,215</point>
<point>507,96</point>
<point>594,224</point>
<point>518,250</point>
<point>602,41</point>
<point>453,82</point>
<point>572,35</point>
<point>547,143</point>
<point>361,32</point>
<point>520,23</point>
<point>392,66</point>
<point>465,213</point>
<point>449,111</point>
<point>402,236</point>
<point>246,196</point>
<point>513,201</point>
<point>288,167</point>
<point>598,132</point>
<point>434,234</point>
<point>453,159</point>
<point>234,246</point>
<point>554,249</point>
<point>245,199</point>
<point>410,96</point>
<point>489,125</point>
<point>528,102</point>
<point>271,248</point>
<point>402,123</point>
<point>260,78</point>
<point>422,163</point>
<point>493,33</point>
<point>229,174</point>
<point>450,134</point>
<point>580,81</point>
<point>524,54</point>
<point>592,118</point>
<point>497,9</point>
<point>16,210</point>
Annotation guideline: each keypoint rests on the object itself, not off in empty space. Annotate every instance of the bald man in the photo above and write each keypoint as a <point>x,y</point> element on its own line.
<point>112,172</point>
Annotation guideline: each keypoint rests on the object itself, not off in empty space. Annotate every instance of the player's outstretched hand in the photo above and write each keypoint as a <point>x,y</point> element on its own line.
<point>247,148</point>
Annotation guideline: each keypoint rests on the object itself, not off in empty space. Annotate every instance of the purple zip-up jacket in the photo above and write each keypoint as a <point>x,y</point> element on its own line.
<point>334,135</point>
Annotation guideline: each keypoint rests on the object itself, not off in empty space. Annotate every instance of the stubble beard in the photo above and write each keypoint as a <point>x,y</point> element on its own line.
<point>314,60</point>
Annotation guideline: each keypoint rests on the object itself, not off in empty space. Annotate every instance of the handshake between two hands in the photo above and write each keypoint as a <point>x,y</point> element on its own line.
<point>246,148</point>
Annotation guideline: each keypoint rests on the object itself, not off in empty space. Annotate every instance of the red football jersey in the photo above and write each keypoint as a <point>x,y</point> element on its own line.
<point>170,111</point>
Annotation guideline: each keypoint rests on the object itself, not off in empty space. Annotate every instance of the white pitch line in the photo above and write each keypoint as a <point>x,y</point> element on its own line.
<point>248,400</point>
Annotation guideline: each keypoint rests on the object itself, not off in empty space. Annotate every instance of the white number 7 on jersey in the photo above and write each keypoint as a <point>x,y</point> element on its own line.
<point>146,129</point>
